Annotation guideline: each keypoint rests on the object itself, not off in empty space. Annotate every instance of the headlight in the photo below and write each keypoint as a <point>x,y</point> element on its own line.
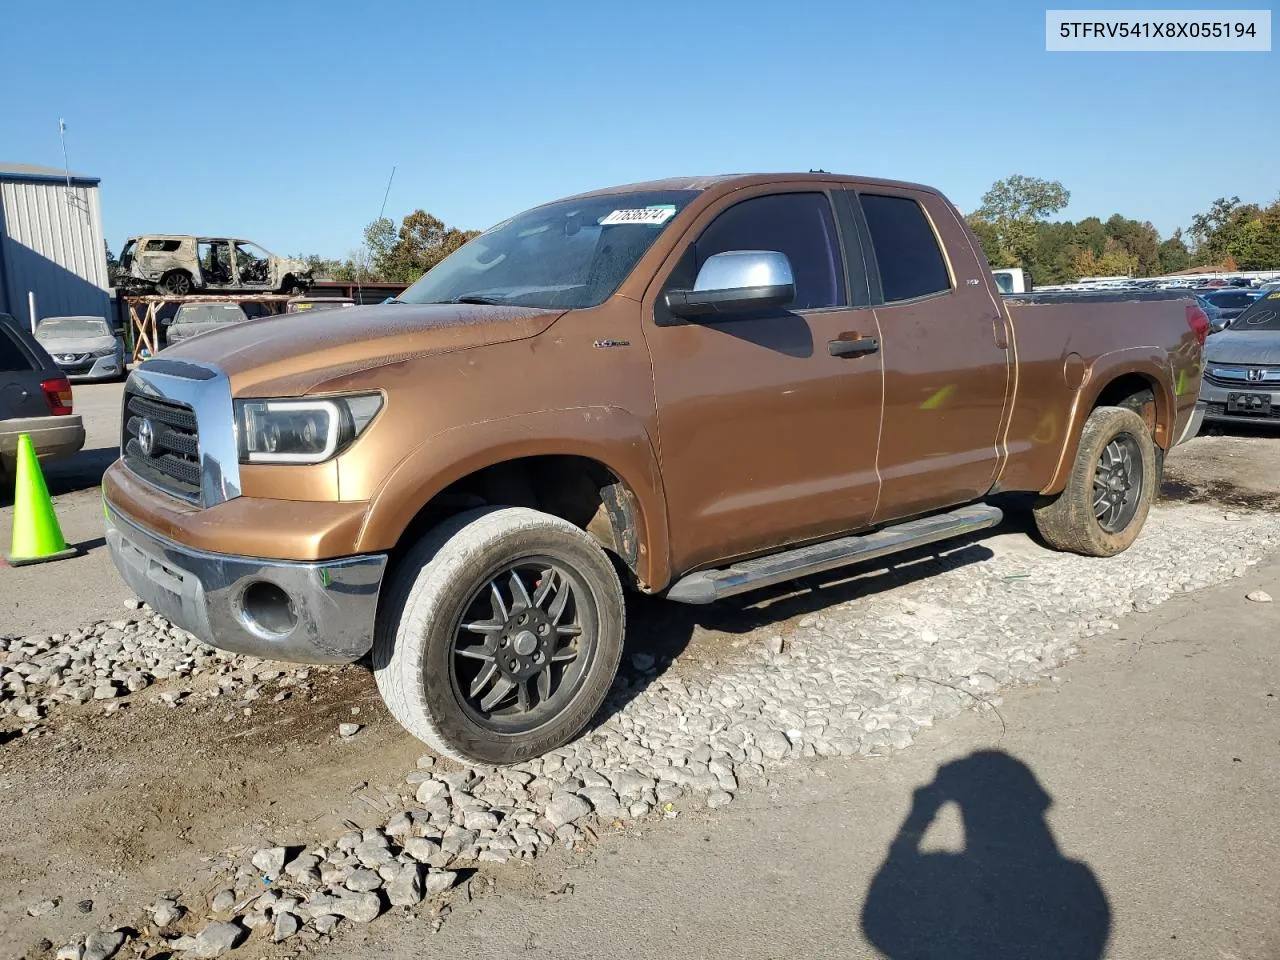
<point>301,431</point>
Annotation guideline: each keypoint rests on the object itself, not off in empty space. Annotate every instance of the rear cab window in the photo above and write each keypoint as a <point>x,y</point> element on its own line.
<point>906,249</point>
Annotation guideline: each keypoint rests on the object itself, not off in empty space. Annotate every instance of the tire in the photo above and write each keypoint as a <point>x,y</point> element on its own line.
<point>176,283</point>
<point>1071,522</point>
<point>447,580</point>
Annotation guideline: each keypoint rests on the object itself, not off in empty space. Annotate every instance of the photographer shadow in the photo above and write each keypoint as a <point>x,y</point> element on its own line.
<point>1009,894</point>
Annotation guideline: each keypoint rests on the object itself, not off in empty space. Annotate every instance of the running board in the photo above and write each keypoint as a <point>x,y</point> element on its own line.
<point>707,586</point>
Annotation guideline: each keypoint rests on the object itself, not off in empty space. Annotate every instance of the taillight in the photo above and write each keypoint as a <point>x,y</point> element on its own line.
<point>1198,321</point>
<point>58,392</point>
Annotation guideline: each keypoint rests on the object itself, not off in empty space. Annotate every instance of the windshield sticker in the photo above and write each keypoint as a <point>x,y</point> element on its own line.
<point>655,215</point>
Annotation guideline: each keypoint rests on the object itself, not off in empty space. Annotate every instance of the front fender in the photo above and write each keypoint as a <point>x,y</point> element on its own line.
<point>1154,364</point>
<point>609,435</point>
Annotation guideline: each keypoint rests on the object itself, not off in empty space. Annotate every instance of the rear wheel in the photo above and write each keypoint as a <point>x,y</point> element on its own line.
<point>501,635</point>
<point>1110,490</point>
<point>176,283</point>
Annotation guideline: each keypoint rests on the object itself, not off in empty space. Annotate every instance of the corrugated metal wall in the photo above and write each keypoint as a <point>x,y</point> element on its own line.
<point>51,242</point>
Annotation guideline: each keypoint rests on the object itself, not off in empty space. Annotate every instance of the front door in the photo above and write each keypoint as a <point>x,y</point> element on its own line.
<point>253,266</point>
<point>765,436</point>
<point>946,366</point>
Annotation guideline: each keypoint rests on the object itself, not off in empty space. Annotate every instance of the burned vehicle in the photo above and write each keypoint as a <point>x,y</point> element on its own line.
<point>181,265</point>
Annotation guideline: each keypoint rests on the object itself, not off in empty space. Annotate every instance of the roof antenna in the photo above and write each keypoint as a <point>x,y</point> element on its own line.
<point>72,199</point>
<point>381,210</point>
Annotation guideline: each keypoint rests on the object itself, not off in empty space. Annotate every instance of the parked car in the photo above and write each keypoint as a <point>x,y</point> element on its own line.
<point>85,348</point>
<point>300,304</point>
<point>35,398</point>
<point>455,482</point>
<point>185,265</point>
<point>194,318</point>
<point>1242,367</point>
<point>1223,305</point>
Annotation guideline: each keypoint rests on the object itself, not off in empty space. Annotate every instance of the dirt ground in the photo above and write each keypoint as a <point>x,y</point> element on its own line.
<point>116,809</point>
<point>1236,466</point>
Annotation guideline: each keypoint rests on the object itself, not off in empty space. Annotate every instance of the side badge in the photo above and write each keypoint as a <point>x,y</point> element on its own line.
<point>605,344</point>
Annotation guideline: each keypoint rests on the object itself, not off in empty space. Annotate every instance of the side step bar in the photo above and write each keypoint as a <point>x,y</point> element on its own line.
<point>707,586</point>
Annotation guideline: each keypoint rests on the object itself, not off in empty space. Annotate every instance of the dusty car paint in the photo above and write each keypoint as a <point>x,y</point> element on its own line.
<point>729,439</point>
<point>85,348</point>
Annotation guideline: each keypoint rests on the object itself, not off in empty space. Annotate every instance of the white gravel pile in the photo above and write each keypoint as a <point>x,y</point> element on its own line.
<point>107,662</point>
<point>858,678</point>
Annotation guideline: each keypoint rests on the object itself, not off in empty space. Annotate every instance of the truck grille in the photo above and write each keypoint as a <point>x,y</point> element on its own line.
<point>173,461</point>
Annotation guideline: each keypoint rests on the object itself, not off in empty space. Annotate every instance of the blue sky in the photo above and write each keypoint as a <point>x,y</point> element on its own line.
<point>204,125</point>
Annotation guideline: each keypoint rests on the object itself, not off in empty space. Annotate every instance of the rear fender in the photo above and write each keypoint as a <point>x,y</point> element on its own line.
<point>1153,363</point>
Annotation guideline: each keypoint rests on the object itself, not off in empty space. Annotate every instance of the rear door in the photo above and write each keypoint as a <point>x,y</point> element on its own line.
<point>23,367</point>
<point>946,359</point>
<point>766,437</point>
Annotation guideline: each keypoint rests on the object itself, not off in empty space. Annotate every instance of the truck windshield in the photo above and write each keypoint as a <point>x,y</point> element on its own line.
<point>573,253</point>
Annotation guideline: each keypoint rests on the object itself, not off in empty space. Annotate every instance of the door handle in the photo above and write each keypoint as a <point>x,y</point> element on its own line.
<point>853,348</point>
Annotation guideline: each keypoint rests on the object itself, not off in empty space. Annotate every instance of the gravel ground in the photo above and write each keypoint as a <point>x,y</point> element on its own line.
<point>859,677</point>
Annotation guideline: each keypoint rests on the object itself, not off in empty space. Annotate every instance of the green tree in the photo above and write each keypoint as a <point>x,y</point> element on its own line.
<point>419,244</point>
<point>1054,254</point>
<point>1217,229</point>
<point>1091,235</point>
<point>989,240</point>
<point>1014,205</point>
<point>1255,245</point>
<point>1173,255</point>
<point>1115,261</point>
<point>113,265</point>
<point>1137,238</point>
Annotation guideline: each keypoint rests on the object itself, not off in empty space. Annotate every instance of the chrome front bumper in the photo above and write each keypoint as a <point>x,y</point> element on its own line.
<point>332,603</point>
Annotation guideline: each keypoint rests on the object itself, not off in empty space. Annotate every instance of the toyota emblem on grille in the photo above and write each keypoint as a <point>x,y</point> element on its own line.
<point>146,437</point>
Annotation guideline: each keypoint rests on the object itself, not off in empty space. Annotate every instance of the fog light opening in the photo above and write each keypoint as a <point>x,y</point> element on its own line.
<point>267,609</point>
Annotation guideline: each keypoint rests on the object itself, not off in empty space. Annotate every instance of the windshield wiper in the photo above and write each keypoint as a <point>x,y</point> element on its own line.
<point>477,298</point>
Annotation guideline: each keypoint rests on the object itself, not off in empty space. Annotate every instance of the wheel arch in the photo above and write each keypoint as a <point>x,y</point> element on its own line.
<point>1110,381</point>
<point>606,484</point>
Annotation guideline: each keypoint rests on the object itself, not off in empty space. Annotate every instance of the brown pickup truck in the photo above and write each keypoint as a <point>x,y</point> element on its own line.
<point>694,386</point>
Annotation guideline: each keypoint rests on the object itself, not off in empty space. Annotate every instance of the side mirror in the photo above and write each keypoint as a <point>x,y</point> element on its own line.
<point>736,281</point>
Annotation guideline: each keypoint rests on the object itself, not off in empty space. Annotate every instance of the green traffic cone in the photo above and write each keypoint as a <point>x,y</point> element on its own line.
<point>36,534</point>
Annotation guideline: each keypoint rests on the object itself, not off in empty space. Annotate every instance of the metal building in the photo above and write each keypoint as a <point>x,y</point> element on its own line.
<point>51,244</point>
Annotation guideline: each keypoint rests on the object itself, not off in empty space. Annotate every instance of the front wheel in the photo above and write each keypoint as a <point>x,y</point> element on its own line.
<point>500,635</point>
<point>1110,490</point>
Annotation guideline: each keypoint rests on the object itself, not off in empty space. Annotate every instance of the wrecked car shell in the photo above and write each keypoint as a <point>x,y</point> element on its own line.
<point>179,265</point>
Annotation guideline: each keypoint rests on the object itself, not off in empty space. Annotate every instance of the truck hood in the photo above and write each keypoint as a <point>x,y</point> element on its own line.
<point>1243,346</point>
<point>291,354</point>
